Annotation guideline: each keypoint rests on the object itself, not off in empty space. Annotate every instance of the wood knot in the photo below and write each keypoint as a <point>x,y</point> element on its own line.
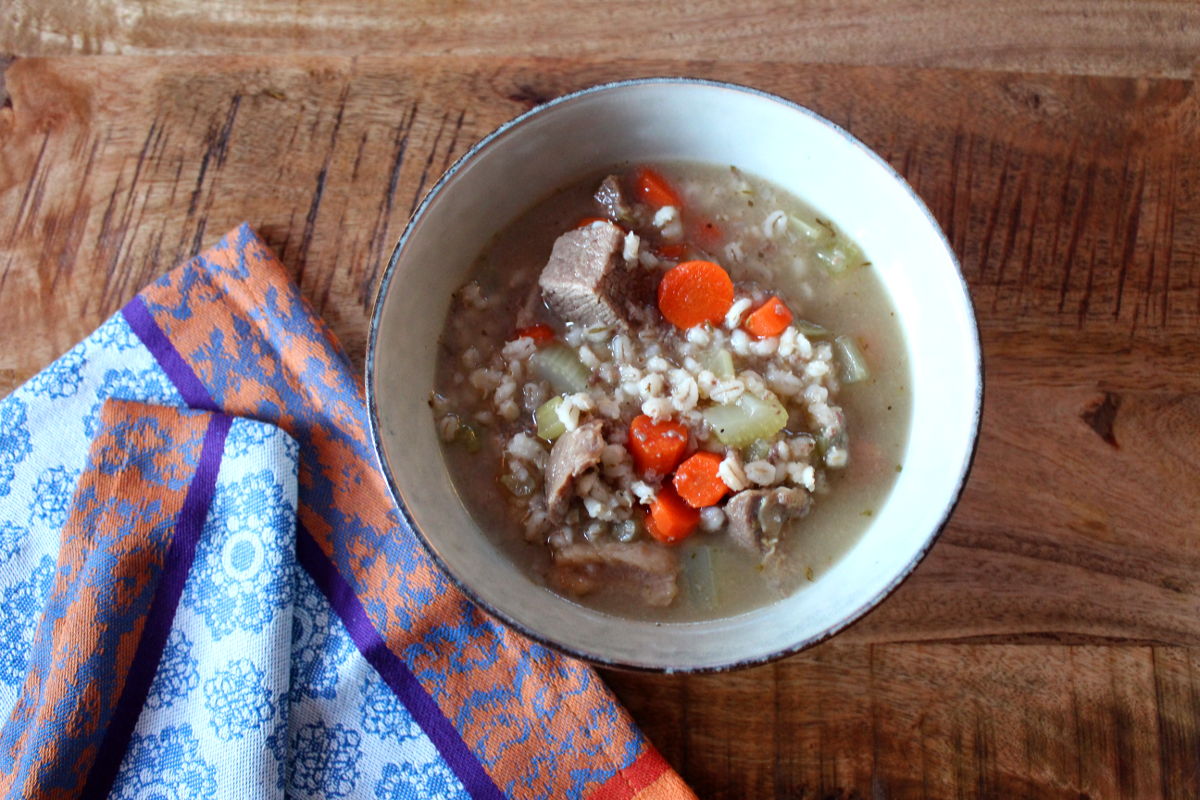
<point>5,61</point>
<point>1101,415</point>
<point>1035,97</point>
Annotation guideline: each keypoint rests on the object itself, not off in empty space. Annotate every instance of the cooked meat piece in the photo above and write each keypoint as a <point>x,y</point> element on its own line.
<point>612,200</point>
<point>586,280</point>
<point>574,453</point>
<point>641,567</point>
<point>757,516</point>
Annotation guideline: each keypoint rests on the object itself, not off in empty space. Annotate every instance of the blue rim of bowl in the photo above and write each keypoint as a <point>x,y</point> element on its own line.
<point>373,417</point>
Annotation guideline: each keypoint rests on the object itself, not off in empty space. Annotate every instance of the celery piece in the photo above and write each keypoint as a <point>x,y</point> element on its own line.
<point>549,426</point>
<point>853,362</point>
<point>467,437</point>
<point>854,255</point>
<point>739,424</point>
<point>757,450</point>
<point>828,441</point>
<point>518,487</point>
<point>557,364</point>
<point>810,230</point>
<point>719,363</point>
<point>833,259</point>
<point>841,256</point>
<point>811,329</point>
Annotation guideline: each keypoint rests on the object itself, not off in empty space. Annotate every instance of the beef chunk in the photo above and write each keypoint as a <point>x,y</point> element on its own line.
<point>632,567</point>
<point>574,453</point>
<point>612,200</point>
<point>586,280</point>
<point>757,516</point>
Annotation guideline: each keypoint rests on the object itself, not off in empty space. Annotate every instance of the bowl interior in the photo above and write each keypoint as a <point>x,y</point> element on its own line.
<point>697,121</point>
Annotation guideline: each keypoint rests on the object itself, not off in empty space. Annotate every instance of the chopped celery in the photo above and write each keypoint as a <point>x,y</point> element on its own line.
<point>854,255</point>
<point>549,426</point>
<point>843,255</point>
<point>558,364</point>
<point>467,437</point>
<point>833,259</point>
<point>739,424</point>
<point>757,450</point>
<point>700,577</point>
<point>854,363</point>
<point>518,486</point>
<point>813,231</point>
<point>827,441</point>
<point>811,329</point>
<point>719,363</point>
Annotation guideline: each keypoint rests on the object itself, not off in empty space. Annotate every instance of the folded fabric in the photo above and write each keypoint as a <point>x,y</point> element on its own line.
<point>206,590</point>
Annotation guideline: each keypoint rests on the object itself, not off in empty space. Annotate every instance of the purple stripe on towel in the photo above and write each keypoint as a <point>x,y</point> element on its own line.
<point>393,670</point>
<point>164,352</point>
<point>161,615</point>
<point>345,603</point>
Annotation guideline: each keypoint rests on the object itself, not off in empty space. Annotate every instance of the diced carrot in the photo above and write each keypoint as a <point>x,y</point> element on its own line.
<point>583,223</point>
<point>670,520</point>
<point>769,319</point>
<point>707,234</point>
<point>676,251</point>
<point>652,188</point>
<point>695,292</point>
<point>656,446</point>
<point>697,481</point>
<point>540,333</point>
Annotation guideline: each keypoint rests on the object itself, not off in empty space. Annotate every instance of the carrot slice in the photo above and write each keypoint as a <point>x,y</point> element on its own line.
<point>695,292</point>
<point>654,189</point>
<point>769,319</point>
<point>583,223</point>
<point>697,481</point>
<point>670,520</point>
<point>656,446</point>
<point>540,333</point>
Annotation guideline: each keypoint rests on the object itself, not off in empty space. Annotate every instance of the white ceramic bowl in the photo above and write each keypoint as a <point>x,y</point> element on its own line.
<point>659,120</point>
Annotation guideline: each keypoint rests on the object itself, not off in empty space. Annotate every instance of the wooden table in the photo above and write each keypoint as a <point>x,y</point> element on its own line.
<point>1047,647</point>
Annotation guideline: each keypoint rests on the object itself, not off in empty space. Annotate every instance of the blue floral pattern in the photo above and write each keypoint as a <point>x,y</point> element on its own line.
<point>337,730</point>
<point>238,699</point>
<point>167,766</point>
<point>14,440</point>
<point>383,714</point>
<point>19,613</point>
<point>242,572</point>
<point>115,334</point>
<point>60,379</point>
<point>430,781</point>
<point>11,537</point>
<point>325,759</point>
<point>278,741</point>
<point>319,644</point>
<point>245,437</point>
<point>52,496</point>
<point>177,675</point>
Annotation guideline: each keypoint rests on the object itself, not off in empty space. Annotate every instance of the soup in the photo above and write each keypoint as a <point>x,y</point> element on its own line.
<point>672,392</point>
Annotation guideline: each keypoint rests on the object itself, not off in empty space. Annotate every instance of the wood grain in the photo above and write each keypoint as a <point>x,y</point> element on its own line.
<point>1045,648</point>
<point>908,721</point>
<point>1098,37</point>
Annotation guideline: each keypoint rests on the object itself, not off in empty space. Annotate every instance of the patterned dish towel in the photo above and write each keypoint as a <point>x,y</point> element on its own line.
<point>207,592</point>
